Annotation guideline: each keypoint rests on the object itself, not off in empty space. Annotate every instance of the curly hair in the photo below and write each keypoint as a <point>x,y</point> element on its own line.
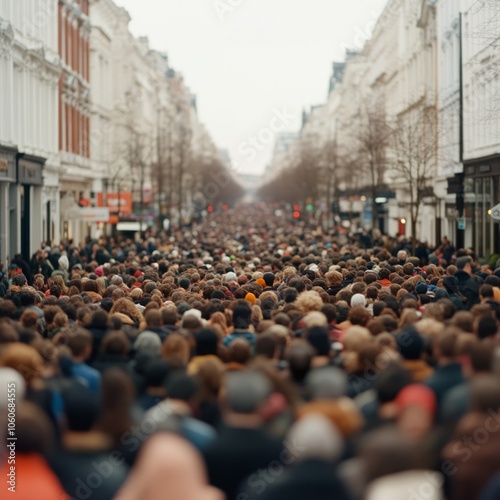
<point>127,307</point>
<point>309,301</point>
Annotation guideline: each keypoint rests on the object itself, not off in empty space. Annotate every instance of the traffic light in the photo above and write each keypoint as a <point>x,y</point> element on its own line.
<point>296,211</point>
<point>210,208</point>
<point>224,207</point>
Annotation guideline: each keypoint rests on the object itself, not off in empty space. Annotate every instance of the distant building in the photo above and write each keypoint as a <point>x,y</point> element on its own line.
<point>29,166</point>
<point>282,145</point>
<point>250,183</point>
<point>77,179</point>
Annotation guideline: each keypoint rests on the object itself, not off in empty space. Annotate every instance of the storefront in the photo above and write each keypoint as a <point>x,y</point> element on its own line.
<point>481,194</point>
<point>9,224</point>
<point>30,180</point>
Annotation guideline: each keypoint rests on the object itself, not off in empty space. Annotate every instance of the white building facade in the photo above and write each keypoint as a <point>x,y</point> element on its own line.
<point>481,91</point>
<point>29,160</point>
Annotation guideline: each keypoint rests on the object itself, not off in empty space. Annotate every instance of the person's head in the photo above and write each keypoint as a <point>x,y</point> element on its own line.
<point>266,345</point>
<point>318,338</point>
<point>445,345</point>
<point>486,292</point>
<point>410,343</point>
<point>464,264</point>
<point>34,431</point>
<point>416,411</point>
<point>386,451</point>
<point>153,318</point>
<point>326,383</point>
<point>19,280</point>
<point>206,342</point>
<point>269,279</point>
<point>13,270</point>
<point>318,438</point>
<point>176,348</point>
<point>81,409</point>
<point>299,356</point>
<point>240,351</point>
<point>246,393</point>
<point>170,465</point>
<point>241,317</point>
<point>79,342</point>
<point>359,315</point>
<point>402,255</point>
<point>23,358</point>
<point>115,343</point>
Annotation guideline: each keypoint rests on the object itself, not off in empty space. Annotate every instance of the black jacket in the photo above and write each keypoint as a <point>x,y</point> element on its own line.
<point>469,287</point>
<point>313,479</point>
<point>236,455</point>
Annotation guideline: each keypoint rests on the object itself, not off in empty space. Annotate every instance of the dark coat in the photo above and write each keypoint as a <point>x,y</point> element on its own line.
<point>73,467</point>
<point>451,285</point>
<point>469,287</point>
<point>444,378</point>
<point>229,464</point>
<point>313,479</point>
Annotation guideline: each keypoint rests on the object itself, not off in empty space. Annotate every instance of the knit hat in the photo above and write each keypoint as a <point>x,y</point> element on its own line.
<point>261,282</point>
<point>250,297</point>
<point>99,270</point>
<point>358,299</point>
<point>421,288</point>
<point>417,395</point>
<point>230,277</point>
<point>148,343</point>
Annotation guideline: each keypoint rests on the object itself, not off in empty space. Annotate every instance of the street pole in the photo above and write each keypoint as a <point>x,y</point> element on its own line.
<point>460,197</point>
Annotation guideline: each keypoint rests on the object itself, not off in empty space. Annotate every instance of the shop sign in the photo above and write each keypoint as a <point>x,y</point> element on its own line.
<point>495,212</point>
<point>30,173</point>
<point>94,214</point>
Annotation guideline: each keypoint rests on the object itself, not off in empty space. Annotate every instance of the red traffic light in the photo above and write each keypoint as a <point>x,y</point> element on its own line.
<point>210,208</point>
<point>296,214</point>
<point>296,208</point>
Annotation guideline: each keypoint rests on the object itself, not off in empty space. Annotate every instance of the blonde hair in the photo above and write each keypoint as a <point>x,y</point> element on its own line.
<point>315,318</point>
<point>309,301</point>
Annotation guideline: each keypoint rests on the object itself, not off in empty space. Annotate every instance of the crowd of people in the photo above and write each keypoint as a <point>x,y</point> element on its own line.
<point>250,357</point>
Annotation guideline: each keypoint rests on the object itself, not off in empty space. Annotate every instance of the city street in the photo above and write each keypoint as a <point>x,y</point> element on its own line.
<point>250,250</point>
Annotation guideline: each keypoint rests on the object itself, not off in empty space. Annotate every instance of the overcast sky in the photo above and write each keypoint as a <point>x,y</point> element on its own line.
<point>249,61</point>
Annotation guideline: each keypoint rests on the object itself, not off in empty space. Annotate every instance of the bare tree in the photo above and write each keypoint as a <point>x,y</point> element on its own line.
<point>138,156</point>
<point>330,173</point>
<point>414,147</point>
<point>373,138</point>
